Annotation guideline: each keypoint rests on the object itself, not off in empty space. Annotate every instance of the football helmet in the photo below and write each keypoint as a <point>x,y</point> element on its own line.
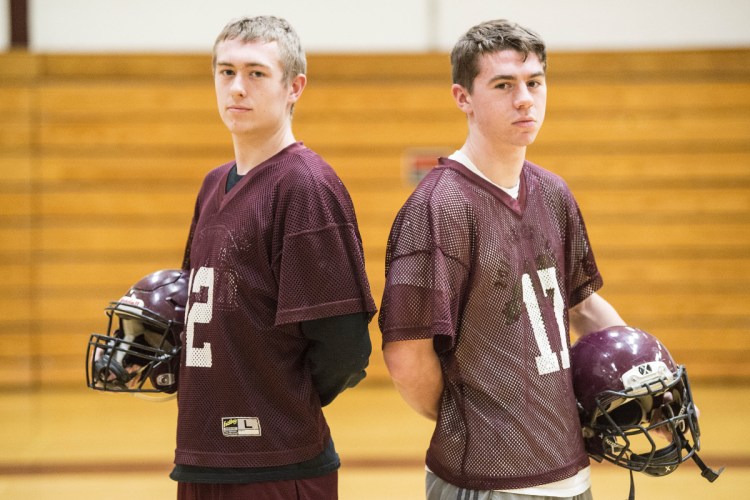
<point>630,395</point>
<point>141,351</point>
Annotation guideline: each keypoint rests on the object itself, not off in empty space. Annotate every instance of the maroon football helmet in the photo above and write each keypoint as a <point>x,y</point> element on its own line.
<point>140,352</point>
<point>631,394</point>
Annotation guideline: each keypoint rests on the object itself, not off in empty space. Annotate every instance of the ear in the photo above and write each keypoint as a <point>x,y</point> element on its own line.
<point>462,98</point>
<point>296,88</point>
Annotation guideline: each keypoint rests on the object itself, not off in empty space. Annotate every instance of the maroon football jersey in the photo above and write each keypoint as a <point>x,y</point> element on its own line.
<point>491,278</point>
<point>281,247</point>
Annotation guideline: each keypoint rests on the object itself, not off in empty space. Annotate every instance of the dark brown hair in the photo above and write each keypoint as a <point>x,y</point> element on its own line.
<point>489,37</point>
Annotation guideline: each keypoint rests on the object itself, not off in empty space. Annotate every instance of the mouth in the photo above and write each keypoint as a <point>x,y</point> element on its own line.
<point>238,109</point>
<point>525,122</point>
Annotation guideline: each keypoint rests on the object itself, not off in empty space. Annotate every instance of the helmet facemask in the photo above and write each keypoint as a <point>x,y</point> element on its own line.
<point>136,357</point>
<point>628,427</point>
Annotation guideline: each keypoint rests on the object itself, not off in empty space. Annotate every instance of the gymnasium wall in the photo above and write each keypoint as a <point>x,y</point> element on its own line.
<point>345,26</point>
<point>108,123</point>
<point>101,157</point>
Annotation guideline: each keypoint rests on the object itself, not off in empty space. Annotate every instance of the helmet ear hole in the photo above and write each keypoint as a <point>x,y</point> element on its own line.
<point>628,414</point>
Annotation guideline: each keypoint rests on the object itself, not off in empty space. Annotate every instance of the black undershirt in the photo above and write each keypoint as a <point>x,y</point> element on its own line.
<point>233,178</point>
<point>322,465</point>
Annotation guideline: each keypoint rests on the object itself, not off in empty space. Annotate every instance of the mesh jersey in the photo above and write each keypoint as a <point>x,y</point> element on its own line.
<point>490,279</point>
<point>281,247</point>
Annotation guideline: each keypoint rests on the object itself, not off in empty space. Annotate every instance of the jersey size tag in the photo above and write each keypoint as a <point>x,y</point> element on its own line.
<point>240,426</point>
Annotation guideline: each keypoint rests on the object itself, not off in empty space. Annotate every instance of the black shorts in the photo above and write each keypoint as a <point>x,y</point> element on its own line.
<point>316,488</point>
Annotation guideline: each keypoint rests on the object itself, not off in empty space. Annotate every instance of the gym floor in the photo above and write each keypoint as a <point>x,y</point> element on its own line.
<point>79,444</point>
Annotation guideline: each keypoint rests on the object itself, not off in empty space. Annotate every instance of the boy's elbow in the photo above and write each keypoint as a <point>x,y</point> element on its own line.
<point>399,364</point>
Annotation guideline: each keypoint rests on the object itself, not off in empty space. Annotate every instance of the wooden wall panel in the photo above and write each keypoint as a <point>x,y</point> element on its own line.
<point>16,219</point>
<point>101,157</point>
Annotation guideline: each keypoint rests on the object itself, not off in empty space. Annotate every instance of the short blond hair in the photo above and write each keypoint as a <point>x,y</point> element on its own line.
<point>268,29</point>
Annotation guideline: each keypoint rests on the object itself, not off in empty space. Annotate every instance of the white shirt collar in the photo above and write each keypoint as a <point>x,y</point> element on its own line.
<point>464,160</point>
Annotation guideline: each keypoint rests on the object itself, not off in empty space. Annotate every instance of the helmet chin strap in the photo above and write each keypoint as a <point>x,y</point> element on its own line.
<point>707,472</point>
<point>631,495</point>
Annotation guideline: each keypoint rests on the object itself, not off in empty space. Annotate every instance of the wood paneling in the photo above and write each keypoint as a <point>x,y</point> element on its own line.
<point>101,157</point>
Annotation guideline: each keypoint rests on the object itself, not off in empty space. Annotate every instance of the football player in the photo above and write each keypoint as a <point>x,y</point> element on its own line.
<point>488,264</point>
<point>278,303</point>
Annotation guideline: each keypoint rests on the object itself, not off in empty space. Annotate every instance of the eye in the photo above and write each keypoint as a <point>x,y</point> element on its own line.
<point>257,74</point>
<point>503,86</point>
<point>534,84</point>
<point>226,72</point>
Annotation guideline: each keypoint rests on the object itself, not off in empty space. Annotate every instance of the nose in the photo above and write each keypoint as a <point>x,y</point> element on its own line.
<point>523,97</point>
<point>238,87</point>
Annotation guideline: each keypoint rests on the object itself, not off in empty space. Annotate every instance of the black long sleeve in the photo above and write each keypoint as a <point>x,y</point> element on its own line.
<point>338,354</point>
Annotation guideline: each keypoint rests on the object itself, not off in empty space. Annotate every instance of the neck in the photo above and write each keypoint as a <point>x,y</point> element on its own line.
<point>250,151</point>
<point>502,164</point>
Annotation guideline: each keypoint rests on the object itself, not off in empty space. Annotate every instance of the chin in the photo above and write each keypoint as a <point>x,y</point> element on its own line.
<point>527,140</point>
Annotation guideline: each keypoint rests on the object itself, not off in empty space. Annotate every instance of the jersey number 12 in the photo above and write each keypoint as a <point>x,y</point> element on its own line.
<point>200,312</point>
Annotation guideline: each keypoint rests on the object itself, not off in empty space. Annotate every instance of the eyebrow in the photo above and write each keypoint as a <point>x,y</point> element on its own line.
<point>245,65</point>
<point>515,77</point>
